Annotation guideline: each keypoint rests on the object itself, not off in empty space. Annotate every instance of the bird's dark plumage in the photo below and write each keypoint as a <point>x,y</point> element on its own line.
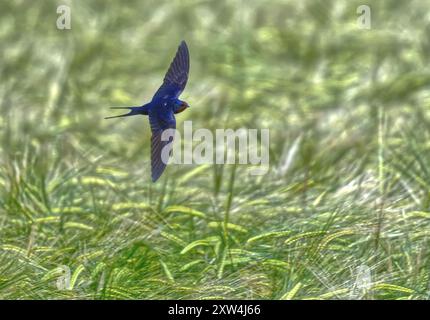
<point>162,109</point>
<point>159,158</point>
<point>177,75</point>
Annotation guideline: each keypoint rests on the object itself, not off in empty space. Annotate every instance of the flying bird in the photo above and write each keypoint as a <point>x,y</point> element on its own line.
<point>162,108</point>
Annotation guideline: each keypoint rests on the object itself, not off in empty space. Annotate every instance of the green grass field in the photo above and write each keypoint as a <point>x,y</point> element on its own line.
<point>343,213</point>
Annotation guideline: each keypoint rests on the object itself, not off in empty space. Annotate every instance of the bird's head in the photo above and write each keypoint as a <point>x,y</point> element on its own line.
<point>180,106</point>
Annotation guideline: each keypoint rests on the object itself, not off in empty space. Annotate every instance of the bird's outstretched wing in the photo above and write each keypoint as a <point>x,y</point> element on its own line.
<point>177,75</point>
<point>160,148</point>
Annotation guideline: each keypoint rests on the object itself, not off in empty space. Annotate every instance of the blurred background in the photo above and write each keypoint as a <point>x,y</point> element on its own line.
<point>343,212</point>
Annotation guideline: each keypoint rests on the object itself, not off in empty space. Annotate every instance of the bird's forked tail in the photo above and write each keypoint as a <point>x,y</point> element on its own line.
<point>133,111</point>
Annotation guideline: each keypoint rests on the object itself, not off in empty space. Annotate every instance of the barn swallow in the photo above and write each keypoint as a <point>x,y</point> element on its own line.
<point>162,108</point>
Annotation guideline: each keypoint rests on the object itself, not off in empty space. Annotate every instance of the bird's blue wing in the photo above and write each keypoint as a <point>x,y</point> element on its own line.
<point>159,122</point>
<point>177,75</point>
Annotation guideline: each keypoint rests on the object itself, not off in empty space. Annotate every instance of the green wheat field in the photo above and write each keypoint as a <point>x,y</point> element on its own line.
<point>343,213</point>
